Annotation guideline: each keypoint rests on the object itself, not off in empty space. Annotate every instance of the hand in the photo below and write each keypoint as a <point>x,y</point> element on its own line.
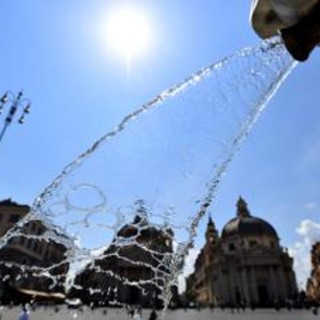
<point>301,38</point>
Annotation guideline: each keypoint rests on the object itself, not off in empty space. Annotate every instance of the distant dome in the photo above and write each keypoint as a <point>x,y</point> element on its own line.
<point>246,225</point>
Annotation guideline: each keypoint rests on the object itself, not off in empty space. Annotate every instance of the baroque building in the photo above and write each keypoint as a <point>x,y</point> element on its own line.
<point>313,283</point>
<point>133,269</point>
<point>28,251</point>
<point>245,265</point>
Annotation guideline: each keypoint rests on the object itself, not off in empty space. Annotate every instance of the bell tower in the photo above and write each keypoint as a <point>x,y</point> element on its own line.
<point>242,209</point>
<point>211,232</point>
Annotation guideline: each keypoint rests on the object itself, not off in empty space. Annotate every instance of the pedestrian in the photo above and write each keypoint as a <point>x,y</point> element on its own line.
<point>153,315</point>
<point>24,315</point>
<point>315,310</point>
<point>131,313</point>
<point>138,314</point>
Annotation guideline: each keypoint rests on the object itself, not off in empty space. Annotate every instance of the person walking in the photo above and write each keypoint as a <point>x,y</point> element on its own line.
<point>153,315</point>
<point>24,315</point>
<point>138,314</point>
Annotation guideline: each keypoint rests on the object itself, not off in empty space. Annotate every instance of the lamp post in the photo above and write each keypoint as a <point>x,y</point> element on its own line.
<point>14,102</point>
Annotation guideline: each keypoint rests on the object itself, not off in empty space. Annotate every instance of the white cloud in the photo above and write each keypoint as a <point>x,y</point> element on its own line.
<point>310,205</point>
<point>188,268</point>
<point>310,232</point>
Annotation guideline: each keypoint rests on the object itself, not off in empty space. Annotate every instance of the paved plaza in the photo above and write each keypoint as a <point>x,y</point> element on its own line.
<point>117,314</point>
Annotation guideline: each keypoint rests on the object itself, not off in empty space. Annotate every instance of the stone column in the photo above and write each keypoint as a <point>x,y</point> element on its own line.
<point>223,287</point>
<point>253,286</point>
<point>282,285</point>
<point>230,285</point>
<point>239,284</point>
<point>245,286</point>
<point>273,285</point>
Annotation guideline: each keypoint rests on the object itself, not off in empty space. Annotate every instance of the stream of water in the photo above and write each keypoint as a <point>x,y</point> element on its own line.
<point>145,186</point>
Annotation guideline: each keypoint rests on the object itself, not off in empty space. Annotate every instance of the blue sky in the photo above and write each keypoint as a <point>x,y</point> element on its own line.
<point>80,89</point>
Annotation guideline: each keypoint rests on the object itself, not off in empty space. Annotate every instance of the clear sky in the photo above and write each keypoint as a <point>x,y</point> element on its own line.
<point>81,88</point>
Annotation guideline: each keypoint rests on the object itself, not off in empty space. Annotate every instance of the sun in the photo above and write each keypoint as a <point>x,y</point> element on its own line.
<point>128,32</point>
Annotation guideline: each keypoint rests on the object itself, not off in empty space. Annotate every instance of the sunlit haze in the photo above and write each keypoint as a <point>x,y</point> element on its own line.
<point>128,32</point>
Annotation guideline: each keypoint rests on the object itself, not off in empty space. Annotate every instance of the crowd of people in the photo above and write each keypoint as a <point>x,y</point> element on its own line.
<point>134,313</point>
<point>137,314</point>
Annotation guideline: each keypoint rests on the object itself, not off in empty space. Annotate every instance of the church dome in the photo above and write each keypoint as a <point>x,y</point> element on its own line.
<point>246,225</point>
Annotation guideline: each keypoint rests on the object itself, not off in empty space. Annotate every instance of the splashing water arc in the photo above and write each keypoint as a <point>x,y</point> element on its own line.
<point>156,174</point>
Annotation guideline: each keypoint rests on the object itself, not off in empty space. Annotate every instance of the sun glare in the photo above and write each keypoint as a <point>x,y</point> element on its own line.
<point>128,32</point>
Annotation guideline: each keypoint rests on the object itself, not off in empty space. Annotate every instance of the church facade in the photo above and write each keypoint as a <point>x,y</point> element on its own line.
<point>133,269</point>
<point>244,265</point>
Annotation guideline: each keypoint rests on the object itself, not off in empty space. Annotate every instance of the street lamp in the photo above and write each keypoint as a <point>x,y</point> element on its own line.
<point>15,102</point>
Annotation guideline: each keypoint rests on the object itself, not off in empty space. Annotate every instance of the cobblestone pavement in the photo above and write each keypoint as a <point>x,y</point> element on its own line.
<point>49,313</point>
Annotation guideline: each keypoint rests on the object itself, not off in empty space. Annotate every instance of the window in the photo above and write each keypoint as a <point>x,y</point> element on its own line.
<point>33,228</point>
<point>29,243</point>
<point>47,255</point>
<point>232,247</point>
<point>253,243</point>
<point>14,218</point>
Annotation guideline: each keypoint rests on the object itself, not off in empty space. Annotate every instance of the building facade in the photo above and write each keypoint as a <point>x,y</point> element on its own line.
<point>132,270</point>
<point>25,256</point>
<point>245,265</point>
<point>313,284</point>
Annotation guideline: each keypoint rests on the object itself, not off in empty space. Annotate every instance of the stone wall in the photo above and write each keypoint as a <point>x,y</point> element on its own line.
<point>313,284</point>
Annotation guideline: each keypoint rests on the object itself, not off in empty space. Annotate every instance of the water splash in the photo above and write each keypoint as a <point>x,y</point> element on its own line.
<point>134,199</point>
